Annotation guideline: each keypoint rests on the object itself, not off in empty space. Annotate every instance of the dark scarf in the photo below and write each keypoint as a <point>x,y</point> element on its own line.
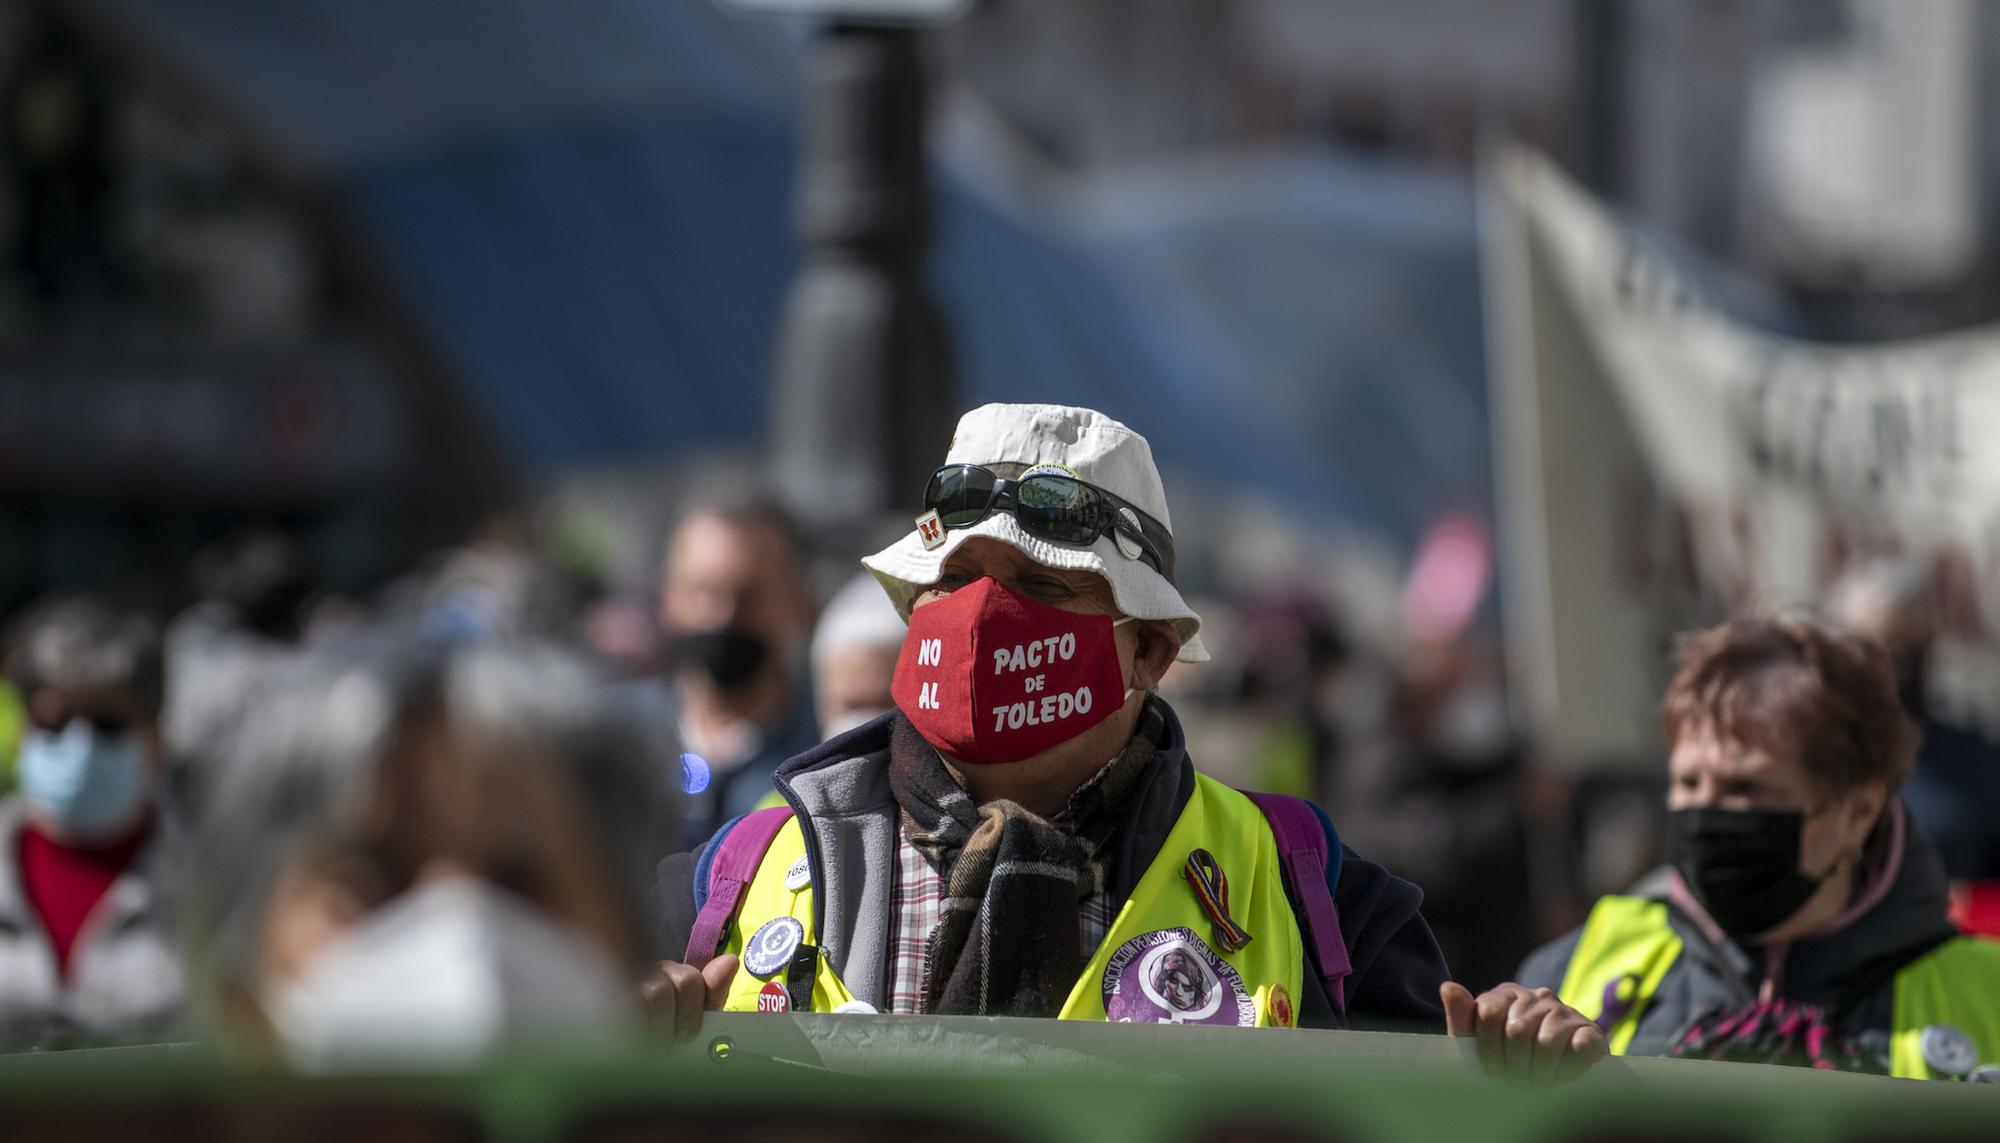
<point>1007,944</point>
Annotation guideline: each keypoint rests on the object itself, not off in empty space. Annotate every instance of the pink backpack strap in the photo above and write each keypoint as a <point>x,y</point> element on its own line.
<point>1303,852</point>
<point>737,857</point>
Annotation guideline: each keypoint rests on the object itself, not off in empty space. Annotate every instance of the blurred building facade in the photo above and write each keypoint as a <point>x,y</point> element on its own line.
<point>193,343</point>
<point>374,318</point>
<point>1841,149</point>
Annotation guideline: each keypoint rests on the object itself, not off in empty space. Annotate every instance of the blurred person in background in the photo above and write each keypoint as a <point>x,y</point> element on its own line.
<point>1026,836</point>
<point>251,596</point>
<point>1800,918</point>
<point>1954,790</point>
<point>425,850</point>
<point>86,953</point>
<point>1293,664</point>
<point>500,585</point>
<point>1436,788</point>
<point>737,613</point>
<point>854,650</point>
<point>1432,777</point>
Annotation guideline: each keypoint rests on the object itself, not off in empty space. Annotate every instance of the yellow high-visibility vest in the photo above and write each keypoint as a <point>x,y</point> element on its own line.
<point>1627,946</point>
<point>1158,961</point>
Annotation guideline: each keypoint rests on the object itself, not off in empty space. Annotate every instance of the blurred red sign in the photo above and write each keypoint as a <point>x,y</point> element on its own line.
<point>230,430</point>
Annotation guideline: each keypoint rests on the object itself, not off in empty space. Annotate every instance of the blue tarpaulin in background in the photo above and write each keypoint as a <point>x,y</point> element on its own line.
<point>584,207</point>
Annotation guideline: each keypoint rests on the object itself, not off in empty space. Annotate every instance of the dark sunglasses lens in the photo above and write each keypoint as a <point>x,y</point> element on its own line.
<point>1058,508</point>
<point>960,494</point>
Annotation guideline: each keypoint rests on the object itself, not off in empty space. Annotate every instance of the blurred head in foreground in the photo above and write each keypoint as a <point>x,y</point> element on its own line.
<point>426,851</point>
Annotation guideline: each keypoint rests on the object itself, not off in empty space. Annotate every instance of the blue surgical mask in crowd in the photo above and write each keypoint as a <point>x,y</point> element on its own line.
<point>448,972</point>
<point>87,782</point>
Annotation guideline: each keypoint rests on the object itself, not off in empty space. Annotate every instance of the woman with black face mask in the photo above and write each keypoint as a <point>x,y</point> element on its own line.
<point>1799,918</point>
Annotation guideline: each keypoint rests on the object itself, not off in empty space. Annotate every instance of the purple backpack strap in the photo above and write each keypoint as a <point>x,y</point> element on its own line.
<point>1303,853</point>
<point>737,857</point>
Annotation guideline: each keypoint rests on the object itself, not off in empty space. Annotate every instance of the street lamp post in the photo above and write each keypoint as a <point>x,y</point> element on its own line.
<point>863,393</point>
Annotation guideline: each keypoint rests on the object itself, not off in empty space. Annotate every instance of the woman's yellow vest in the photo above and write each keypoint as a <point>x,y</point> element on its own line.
<point>1268,970</point>
<point>1627,946</point>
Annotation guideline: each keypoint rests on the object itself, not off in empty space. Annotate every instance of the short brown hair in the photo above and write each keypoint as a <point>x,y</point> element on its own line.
<point>1796,685</point>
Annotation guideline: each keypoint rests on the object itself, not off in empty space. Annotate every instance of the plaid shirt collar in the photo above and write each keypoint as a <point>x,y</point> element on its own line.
<point>918,904</point>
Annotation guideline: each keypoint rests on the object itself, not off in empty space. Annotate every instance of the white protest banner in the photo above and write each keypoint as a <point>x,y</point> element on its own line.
<point>1662,465</point>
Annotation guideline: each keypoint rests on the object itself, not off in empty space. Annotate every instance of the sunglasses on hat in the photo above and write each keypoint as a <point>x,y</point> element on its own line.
<point>1049,506</point>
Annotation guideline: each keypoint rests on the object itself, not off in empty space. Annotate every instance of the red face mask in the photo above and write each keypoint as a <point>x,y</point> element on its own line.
<point>988,676</point>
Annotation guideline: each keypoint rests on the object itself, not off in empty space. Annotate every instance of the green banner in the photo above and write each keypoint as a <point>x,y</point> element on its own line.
<point>807,1079</point>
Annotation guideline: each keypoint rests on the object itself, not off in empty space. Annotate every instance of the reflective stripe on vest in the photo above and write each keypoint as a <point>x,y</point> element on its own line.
<point>1956,985</point>
<point>1627,946</point>
<point>1624,952</point>
<point>1136,962</point>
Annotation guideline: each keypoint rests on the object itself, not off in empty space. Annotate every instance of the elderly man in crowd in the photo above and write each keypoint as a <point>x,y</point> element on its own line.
<point>1025,834</point>
<point>86,952</point>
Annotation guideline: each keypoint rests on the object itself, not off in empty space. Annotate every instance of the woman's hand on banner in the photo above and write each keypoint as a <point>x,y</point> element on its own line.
<point>1524,1034</point>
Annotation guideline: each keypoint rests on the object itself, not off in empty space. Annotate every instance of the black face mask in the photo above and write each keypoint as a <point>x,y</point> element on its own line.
<point>727,655</point>
<point>1742,865</point>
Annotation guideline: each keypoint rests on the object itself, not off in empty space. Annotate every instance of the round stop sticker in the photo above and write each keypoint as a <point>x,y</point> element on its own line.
<point>773,998</point>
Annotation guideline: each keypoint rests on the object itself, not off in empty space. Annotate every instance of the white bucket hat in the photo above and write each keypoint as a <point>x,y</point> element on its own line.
<point>1099,451</point>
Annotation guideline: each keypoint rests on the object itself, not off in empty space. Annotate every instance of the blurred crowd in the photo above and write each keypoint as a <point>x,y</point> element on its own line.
<point>307,821</point>
<point>316,826</point>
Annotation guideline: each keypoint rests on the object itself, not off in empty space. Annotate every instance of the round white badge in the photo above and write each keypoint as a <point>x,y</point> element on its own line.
<point>799,875</point>
<point>771,947</point>
<point>1128,545</point>
<point>1985,1073</point>
<point>1947,1050</point>
<point>857,1008</point>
